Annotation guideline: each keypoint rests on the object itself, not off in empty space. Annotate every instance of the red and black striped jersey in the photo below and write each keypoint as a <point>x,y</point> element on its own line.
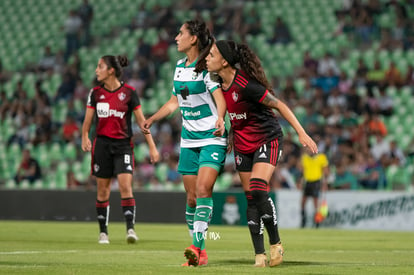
<point>113,110</point>
<point>253,123</point>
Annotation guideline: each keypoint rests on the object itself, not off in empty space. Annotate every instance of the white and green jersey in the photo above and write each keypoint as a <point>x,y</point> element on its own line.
<point>198,110</point>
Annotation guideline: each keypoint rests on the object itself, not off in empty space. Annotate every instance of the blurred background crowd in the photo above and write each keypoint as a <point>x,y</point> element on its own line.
<point>346,68</point>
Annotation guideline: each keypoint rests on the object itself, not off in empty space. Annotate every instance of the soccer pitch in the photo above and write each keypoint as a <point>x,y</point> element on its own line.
<point>29,247</point>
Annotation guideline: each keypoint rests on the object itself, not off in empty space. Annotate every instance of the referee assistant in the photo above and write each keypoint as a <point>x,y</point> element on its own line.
<point>315,170</point>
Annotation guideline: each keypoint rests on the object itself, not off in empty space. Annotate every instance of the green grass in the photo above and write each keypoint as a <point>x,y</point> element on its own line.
<point>28,247</point>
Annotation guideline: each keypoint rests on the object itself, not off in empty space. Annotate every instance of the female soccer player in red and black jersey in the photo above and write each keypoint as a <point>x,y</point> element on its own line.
<point>257,137</point>
<point>112,104</point>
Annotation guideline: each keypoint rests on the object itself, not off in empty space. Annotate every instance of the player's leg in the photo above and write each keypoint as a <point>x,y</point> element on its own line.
<point>102,207</point>
<point>188,167</point>
<point>254,222</point>
<point>102,169</point>
<point>259,182</point>
<point>123,168</point>
<point>128,205</point>
<point>211,159</point>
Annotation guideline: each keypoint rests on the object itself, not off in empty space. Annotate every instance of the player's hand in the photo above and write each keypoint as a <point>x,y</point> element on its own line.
<point>147,123</point>
<point>220,128</point>
<point>86,145</point>
<point>308,143</point>
<point>154,155</point>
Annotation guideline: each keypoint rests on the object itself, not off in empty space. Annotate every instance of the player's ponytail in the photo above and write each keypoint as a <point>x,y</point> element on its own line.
<point>242,57</point>
<point>117,63</point>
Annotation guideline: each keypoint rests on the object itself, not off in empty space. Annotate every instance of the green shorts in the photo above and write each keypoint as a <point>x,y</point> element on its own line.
<point>191,159</point>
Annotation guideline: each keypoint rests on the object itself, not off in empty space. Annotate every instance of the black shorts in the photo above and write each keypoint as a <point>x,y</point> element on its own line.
<point>312,188</point>
<point>111,157</point>
<point>268,153</point>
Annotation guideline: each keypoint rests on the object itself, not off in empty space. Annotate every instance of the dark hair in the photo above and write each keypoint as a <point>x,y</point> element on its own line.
<point>247,60</point>
<point>116,62</point>
<point>204,41</point>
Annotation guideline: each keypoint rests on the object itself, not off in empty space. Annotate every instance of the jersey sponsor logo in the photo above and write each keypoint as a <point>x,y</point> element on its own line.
<point>236,116</point>
<point>121,96</point>
<point>191,113</point>
<point>184,91</point>
<point>102,109</point>
<point>238,159</point>
<point>235,96</point>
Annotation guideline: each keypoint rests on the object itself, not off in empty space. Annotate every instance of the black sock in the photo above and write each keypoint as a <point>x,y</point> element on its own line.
<point>102,209</point>
<point>255,225</point>
<point>128,208</point>
<point>303,218</point>
<point>266,208</point>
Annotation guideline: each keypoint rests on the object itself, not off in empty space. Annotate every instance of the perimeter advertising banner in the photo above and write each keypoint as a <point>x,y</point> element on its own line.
<point>352,210</point>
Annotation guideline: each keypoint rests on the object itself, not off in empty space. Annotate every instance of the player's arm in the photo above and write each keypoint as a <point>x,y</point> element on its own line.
<point>272,102</point>
<point>168,108</point>
<point>139,116</point>
<point>221,111</point>
<point>86,126</point>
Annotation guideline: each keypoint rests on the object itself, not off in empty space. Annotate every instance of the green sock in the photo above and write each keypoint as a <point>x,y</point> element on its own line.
<point>202,218</point>
<point>189,217</point>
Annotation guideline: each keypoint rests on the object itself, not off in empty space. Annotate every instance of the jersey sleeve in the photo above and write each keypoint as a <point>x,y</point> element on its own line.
<point>211,85</point>
<point>91,103</point>
<point>255,91</point>
<point>135,102</point>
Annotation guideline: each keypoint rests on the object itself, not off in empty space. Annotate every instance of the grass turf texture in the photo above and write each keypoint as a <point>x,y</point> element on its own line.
<point>28,247</point>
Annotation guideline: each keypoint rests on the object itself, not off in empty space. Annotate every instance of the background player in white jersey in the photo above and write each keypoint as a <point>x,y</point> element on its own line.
<point>112,104</point>
<point>203,135</point>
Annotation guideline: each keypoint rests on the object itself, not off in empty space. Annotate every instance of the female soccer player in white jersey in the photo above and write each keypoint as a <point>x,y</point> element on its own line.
<point>257,137</point>
<point>203,135</point>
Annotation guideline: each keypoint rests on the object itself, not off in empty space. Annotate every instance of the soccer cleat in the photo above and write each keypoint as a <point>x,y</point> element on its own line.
<point>203,258</point>
<point>192,254</point>
<point>276,254</point>
<point>103,238</point>
<point>131,236</point>
<point>260,260</point>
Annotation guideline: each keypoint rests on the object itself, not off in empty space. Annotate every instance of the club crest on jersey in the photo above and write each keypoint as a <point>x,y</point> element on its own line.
<point>235,96</point>
<point>194,76</point>
<point>121,96</point>
<point>239,159</point>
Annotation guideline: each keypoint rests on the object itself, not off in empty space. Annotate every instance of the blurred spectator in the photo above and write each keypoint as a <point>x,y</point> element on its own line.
<point>72,28</point>
<point>309,66</point>
<point>375,76</point>
<point>385,103</point>
<point>47,61</point>
<point>328,65</point>
<point>29,169</point>
<point>66,89</point>
<point>172,175</point>
<point>71,181</point>
<point>345,83</point>
<point>281,33</point>
<point>361,73</point>
<point>376,125</point>
<point>374,175</point>
<point>397,156</point>
<point>380,147</point>
<point>393,76</point>
<point>70,130</point>
<point>85,12</point>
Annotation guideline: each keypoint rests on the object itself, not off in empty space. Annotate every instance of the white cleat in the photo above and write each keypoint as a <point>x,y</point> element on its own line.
<point>131,236</point>
<point>103,238</point>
